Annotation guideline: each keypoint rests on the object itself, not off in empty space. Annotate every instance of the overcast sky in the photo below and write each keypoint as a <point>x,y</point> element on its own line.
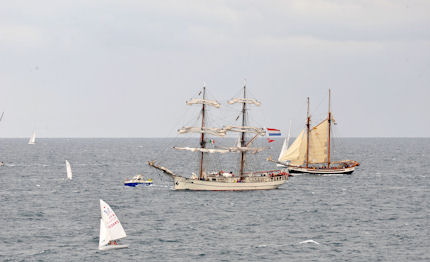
<point>125,68</point>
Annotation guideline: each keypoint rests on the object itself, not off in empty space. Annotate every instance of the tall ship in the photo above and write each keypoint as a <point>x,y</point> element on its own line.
<point>311,150</point>
<point>217,179</point>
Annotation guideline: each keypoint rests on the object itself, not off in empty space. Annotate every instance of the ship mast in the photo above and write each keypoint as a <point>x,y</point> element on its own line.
<point>242,138</point>
<point>308,123</point>
<point>202,137</point>
<point>329,130</point>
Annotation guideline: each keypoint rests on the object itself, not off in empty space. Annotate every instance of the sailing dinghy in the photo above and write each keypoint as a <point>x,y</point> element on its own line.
<point>111,229</point>
<point>218,180</point>
<point>68,170</point>
<point>311,151</point>
<point>32,139</point>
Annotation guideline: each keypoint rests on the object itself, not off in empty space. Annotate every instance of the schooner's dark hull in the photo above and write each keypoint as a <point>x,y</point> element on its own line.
<point>321,171</point>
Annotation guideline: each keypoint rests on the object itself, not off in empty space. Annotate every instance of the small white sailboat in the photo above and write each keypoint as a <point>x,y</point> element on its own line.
<point>32,139</point>
<point>285,144</point>
<point>69,170</point>
<point>111,229</point>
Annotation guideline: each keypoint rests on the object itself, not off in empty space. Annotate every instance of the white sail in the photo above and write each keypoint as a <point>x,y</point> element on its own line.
<point>194,101</point>
<point>238,144</point>
<point>205,130</point>
<point>244,100</point>
<point>104,237</point>
<point>69,170</point>
<point>204,150</point>
<point>32,139</point>
<point>285,144</point>
<point>113,226</point>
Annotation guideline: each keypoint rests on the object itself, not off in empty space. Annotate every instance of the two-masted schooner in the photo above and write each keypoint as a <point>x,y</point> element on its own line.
<point>218,180</point>
<point>311,151</point>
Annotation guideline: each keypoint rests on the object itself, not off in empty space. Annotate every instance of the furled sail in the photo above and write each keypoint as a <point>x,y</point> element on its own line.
<point>244,100</point>
<point>204,150</point>
<point>194,101</point>
<point>246,149</point>
<point>222,151</point>
<point>246,129</point>
<point>206,130</point>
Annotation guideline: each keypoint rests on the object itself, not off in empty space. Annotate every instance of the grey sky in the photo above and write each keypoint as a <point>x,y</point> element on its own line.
<point>125,68</point>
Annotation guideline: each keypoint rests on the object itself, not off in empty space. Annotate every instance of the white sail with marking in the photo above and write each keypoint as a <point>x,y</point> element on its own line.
<point>205,130</point>
<point>244,100</point>
<point>32,139</point>
<point>113,226</point>
<point>204,150</point>
<point>69,170</point>
<point>194,101</point>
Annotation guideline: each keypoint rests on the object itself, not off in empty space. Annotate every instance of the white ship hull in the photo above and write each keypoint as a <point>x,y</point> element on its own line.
<point>182,183</point>
<point>109,247</point>
<point>321,171</point>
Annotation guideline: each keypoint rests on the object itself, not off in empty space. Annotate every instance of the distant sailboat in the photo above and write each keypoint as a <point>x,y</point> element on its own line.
<point>311,151</point>
<point>69,170</point>
<point>32,139</point>
<point>111,229</point>
<point>1,118</point>
<point>285,144</point>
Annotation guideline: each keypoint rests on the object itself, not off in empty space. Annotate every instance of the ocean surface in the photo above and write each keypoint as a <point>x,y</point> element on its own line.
<point>379,213</point>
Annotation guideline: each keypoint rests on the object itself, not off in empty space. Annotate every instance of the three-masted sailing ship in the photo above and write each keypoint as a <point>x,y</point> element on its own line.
<point>218,180</point>
<point>311,150</point>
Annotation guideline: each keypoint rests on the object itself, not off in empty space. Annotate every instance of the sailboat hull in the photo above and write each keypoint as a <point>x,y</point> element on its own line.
<point>182,183</point>
<point>109,247</point>
<point>321,171</point>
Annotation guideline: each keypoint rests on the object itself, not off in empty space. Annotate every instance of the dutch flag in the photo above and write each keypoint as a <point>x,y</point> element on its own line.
<point>273,132</point>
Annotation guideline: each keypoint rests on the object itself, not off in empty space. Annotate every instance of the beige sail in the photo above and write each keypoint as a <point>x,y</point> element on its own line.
<point>296,153</point>
<point>318,137</point>
<point>194,101</point>
<point>244,100</point>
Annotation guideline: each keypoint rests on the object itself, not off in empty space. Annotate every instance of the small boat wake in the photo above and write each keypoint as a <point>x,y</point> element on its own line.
<point>309,241</point>
<point>332,175</point>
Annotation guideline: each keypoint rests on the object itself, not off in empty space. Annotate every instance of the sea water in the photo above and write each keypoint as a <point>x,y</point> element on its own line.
<point>379,213</point>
